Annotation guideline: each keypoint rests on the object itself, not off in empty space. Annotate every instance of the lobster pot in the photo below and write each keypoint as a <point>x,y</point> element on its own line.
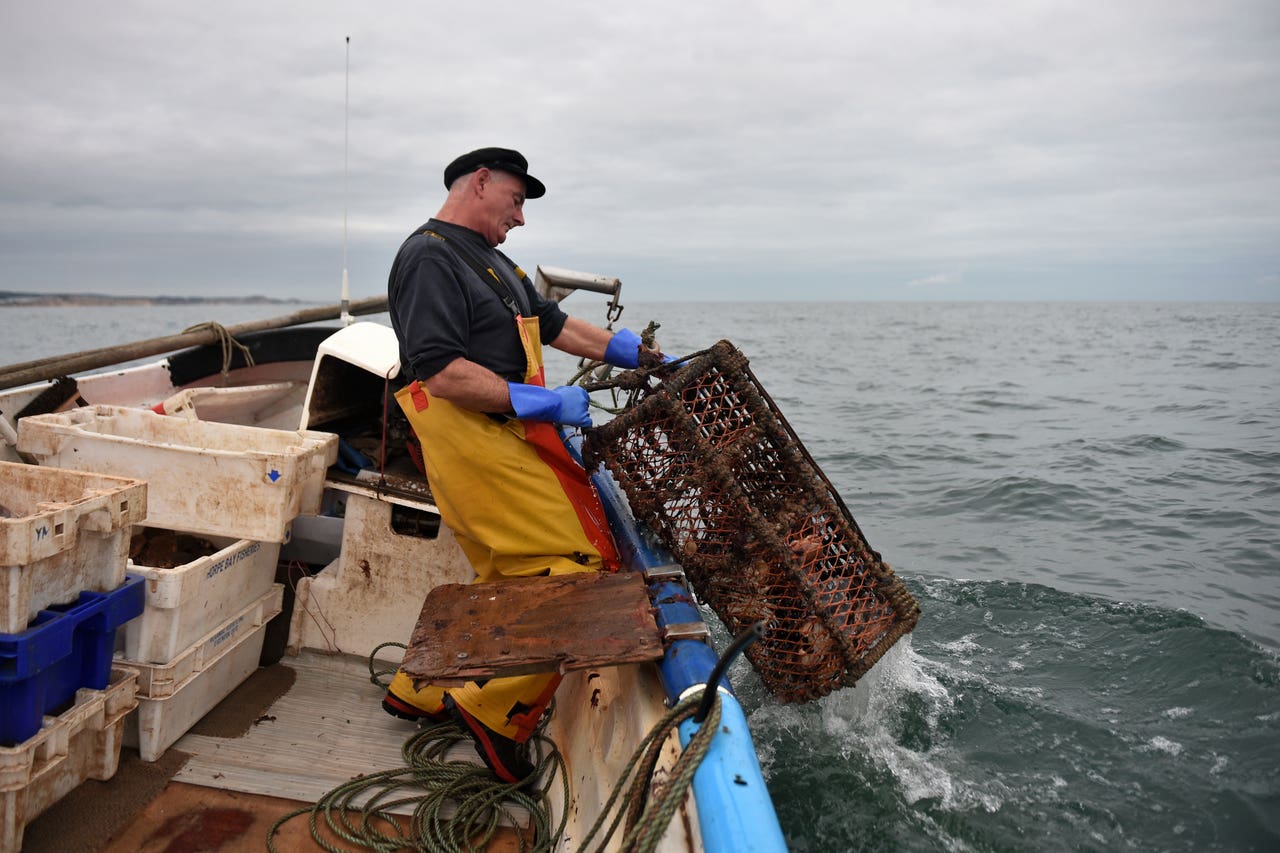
<point>707,461</point>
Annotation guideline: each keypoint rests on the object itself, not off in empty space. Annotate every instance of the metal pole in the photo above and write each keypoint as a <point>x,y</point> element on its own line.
<point>346,147</point>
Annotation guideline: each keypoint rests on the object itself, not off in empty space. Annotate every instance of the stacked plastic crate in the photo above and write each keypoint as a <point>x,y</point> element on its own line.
<point>64,539</point>
<point>224,495</point>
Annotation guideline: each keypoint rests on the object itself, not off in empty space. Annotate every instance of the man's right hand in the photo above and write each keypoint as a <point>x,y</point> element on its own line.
<point>564,405</point>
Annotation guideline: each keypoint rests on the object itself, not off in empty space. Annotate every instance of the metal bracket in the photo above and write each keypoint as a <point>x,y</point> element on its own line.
<point>666,572</point>
<point>686,631</point>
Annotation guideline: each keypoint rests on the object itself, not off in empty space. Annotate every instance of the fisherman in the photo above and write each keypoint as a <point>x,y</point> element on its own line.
<point>471,328</point>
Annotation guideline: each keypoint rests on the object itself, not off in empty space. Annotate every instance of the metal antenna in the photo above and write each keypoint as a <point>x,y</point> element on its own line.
<point>346,146</point>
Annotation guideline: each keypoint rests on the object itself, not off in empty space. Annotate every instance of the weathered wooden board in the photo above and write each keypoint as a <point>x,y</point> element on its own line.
<point>550,624</point>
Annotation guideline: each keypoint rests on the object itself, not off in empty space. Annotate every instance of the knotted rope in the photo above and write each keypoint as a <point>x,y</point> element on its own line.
<point>229,345</point>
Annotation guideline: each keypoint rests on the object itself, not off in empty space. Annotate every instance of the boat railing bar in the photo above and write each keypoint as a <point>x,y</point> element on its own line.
<point>62,365</point>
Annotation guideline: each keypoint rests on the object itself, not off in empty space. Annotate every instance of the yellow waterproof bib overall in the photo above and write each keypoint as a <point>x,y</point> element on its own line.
<point>520,506</point>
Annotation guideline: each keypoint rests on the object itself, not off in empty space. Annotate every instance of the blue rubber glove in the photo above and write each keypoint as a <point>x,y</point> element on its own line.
<point>623,349</point>
<point>564,405</point>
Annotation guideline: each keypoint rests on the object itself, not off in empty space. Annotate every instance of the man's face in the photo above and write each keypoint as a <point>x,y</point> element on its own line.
<point>503,205</point>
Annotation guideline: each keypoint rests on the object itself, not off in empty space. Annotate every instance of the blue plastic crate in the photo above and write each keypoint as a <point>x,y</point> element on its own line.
<point>63,649</point>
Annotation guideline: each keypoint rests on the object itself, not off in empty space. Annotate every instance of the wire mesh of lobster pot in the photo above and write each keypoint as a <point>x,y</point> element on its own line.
<point>711,466</point>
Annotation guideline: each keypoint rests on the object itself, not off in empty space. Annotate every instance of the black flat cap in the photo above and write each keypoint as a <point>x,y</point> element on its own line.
<point>503,159</point>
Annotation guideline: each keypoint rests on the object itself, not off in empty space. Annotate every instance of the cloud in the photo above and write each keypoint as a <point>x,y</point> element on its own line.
<point>711,144</point>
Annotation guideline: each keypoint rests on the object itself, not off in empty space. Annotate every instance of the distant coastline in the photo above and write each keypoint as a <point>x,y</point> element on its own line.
<point>15,299</point>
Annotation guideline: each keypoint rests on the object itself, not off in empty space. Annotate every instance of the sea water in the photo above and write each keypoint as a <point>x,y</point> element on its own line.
<point>1085,501</point>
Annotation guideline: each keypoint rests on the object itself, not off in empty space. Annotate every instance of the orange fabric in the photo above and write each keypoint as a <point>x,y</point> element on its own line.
<point>419,396</point>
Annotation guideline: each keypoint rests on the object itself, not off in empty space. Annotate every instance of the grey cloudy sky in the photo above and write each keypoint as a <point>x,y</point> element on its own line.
<point>699,150</point>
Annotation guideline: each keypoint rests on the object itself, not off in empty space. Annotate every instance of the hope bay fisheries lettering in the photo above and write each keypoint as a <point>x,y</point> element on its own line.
<point>229,561</point>
<point>226,633</point>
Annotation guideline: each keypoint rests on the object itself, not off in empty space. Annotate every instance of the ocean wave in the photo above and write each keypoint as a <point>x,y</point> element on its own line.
<point>1216,518</point>
<point>893,718</point>
<point>1215,405</point>
<point>988,401</point>
<point>1228,365</point>
<point>844,458</point>
<point>1052,680</point>
<point>1268,460</point>
<point>920,455</point>
<point>1015,497</point>
<point>1154,536</point>
<point>1163,744</point>
<point>1129,445</point>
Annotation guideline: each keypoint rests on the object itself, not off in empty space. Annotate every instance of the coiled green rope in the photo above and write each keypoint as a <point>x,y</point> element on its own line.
<point>460,806</point>
<point>457,805</point>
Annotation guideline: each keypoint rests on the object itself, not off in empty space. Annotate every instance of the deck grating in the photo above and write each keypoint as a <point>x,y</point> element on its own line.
<point>328,728</point>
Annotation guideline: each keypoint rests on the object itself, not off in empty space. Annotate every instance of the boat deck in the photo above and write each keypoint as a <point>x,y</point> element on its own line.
<point>326,728</point>
<point>289,735</point>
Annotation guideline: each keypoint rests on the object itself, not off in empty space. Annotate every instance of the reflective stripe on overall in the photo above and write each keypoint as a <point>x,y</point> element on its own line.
<point>520,506</point>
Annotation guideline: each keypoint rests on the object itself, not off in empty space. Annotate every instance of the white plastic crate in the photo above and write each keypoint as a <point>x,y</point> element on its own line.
<point>160,680</point>
<point>218,479</point>
<point>271,404</point>
<point>186,602</point>
<point>61,533</point>
<point>81,743</point>
<point>177,695</point>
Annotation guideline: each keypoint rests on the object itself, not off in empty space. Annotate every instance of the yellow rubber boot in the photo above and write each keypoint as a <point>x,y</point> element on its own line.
<point>402,701</point>
<point>511,706</point>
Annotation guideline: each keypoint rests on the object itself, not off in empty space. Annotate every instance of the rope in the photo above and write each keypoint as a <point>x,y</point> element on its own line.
<point>376,674</point>
<point>647,819</point>
<point>229,344</point>
<point>457,805</point>
<point>599,376</point>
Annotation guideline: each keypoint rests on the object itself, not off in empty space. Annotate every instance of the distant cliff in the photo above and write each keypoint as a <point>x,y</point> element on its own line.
<point>11,298</point>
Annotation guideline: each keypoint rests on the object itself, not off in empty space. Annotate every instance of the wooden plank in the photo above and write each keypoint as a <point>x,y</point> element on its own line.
<point>191,817</point>
<point>549,624</point>
<point>63,365</point>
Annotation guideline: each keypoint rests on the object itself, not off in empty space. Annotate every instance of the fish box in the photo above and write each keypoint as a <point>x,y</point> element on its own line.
<point>711,466</point>
<point>158,681</point>
<point>61,533</point>
<point>64,650</point>
<point>194,584</point>
<point>217,479</point>
<point>81,743</point>
<point>172,698</point>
